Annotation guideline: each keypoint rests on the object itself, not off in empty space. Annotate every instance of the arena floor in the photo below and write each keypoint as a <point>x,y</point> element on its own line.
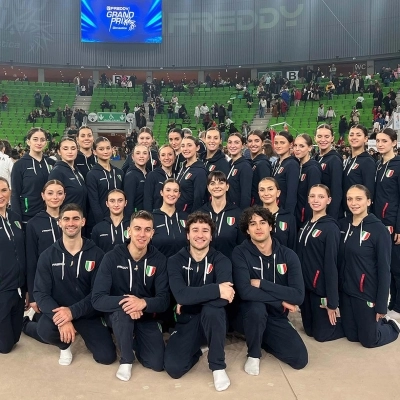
<point>337,370</point>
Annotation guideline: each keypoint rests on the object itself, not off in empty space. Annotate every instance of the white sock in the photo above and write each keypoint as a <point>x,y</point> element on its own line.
<point>204,349</point>
<point>252,366</point>
<point>124,372</point>
<point>221,380</point>
<point>65,356</point>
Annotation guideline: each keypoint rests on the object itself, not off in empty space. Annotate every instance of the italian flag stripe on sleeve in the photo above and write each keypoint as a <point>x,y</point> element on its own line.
<point>89,265</point>
<point>150,270</point>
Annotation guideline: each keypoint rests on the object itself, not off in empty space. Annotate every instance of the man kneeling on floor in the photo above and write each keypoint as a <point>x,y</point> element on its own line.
<point>201,281</point>
<point>269,282</point>
<point>63,286</point>
<point>131,286</point>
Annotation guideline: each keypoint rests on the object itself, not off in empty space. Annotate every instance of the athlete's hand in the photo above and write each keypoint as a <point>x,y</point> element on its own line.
<point>136,314</point>
<point>226,291</point>
<point>379,316</point>
<point>67,332</point>
<point>62,316</point>
<point>396,238</point>
<point>289,306</point>
<point>35,307</point>
<point>132,303</point>
<point>178,309</point>
<point>332,314</point>
<point>255,282</point>
<point>27,304</point>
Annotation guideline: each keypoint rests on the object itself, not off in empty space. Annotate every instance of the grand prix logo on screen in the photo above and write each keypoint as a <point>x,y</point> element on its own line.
<point>121,18</point>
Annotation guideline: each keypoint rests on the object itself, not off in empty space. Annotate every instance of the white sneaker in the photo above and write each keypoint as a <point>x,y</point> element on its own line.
<point>65,357</point>
<point>393,322</point>
<point>124,372</point>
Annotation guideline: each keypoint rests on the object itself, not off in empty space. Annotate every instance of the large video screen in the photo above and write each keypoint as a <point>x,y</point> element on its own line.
<point>121,21</point>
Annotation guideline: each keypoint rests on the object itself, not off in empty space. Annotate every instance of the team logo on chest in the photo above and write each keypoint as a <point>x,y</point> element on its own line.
<point>280,170</point>
<point>365,235</point>
<point>17,224</point>
<point>230,221</point>
<point>89,265</point>
<point>183,222</point>
<point>303,177</point>
<point>316,233</point>
<point>211,168</point>
<point>209,269</point>
<point>323,166</point>
<point>119,177</point>
<point>235,171</point>
<point>188,176</point>
<point>126,234</point>
<point>282,268</point>
<point>355,166</point>
<point>150,270</point>
<point>283,226</point>
<point>389,173</point>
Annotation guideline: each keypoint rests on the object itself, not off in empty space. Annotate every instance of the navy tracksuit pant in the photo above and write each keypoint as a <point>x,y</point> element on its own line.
<point>394,303</point>
<point>316,321</point>
<point>183,348</point>
<point>143,337</point>
<point>359,323</point>
<point>94,333</point>
<point>273,333</point>
<point>11,315</point>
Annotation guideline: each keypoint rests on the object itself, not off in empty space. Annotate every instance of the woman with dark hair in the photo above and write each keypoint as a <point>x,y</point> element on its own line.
<point>259,161</point>
<point>175,137</point>
<point>101,179</point>
<point>113,229</point>
<point>317,248</point>
<point>214,159</point>
<point>169,224</point>
<point>332,167</point>
<point>154,180</point>
<point>360,167</point>
<point>285,223</point>
<point>240,175</point>
<point>224,214</point>
<point>286,171</point>
<point>85,160</point>
<point>42,231</point>
<point>29,175</point>
<point>192,177</point>
<point>387,207</point>
<point>364,275</point>
<point>310,175</point>
<point>12,272</point>
<point>66,172</point>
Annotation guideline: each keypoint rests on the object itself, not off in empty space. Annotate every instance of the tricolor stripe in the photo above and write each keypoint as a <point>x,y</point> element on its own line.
<point>89,265</point>
<point>282,268</point>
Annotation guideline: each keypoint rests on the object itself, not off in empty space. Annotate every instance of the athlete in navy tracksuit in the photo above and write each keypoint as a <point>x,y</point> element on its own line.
<point>28,177</point>
<point>134,189</point>
<point>317,249</point>
<point>153,184</point>
<point>193,184</point>
<point>261,169</point>
<point>107,236</point>
<point>66,280</point>
<point>99,183</point>
<point>12,275</point>
<point>359,170</point>
<point>217,162</point>
<point>227,234</point>
<point>387,208</point>
<point>310,175</point>
<point>74,184</point>
<point>364,279</point>
<point>145,279</point>
<point>169,232</point>
<point>240,178</point>
<point>152,164</point>
<point>286,173</point>
<point>85,164</point>
<point>285,228</point>
<point>41,232</point>
<point>332,168</point>
<point>195,285</point>
<point>265,282</point>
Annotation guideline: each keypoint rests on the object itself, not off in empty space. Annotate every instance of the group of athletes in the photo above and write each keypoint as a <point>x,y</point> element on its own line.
<point>203,244</point>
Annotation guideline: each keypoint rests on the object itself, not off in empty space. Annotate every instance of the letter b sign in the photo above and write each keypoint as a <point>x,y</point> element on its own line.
<point>292,75</point>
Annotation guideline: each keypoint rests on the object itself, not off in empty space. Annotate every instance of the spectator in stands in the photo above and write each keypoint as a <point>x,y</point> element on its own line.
<point>72,131</point>
<point>229,109</point>
<point>4,100</point>
<point>261,107</point>
<point>83,90</point>
<point>207,121</point>
<point>126,108</point>
<point>77,83</point>
<point>6,163</point>
<point>321,113</point>
<point>38,98</point>
<point>90,86</point>
<point>330,114</point>
<point>182,111</point>
<point>59,114</point>
<point>297,97</point>
<point>343,127</point>
<point>378,97</point>
<point>283,108</point>
<point>176,110</point>
<point>152,106</point>
<point>197,113</point>
<point>68,115</point>
<point>142,121</point>
<point>170,111</point>
<point>359,102</point>
<point>174,99</point>
<point>31,118</point>
<point>329,89</point>
<point>354,117</point>
<point>105,104</point>
<point>203,111</point>
<point>221,114</point>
